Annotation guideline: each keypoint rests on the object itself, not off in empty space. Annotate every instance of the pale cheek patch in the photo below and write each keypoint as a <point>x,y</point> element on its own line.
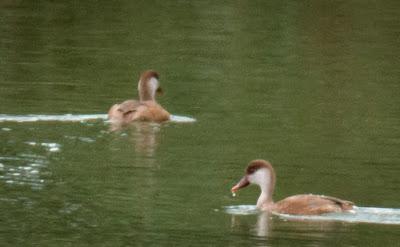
<point>260,177</point>
<point>153,83</point>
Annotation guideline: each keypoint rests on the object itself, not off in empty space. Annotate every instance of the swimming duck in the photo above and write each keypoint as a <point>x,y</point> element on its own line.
<point>261,173</point>
<point>144,109</point>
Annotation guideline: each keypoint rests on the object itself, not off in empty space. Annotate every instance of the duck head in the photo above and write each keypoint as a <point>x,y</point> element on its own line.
<point>149,85</point>
<point>261,173</point>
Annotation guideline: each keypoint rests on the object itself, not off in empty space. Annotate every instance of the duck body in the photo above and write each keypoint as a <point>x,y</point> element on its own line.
<point>144,109</point>
<point>134,110</point>
<point>311,205</point>
<point>261,173</point>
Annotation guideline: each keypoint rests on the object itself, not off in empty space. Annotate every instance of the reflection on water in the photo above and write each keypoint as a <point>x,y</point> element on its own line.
<point>241,209</point>
<point>145,136</point>
<point>358,215</point>
<point>264,224</point>
<point>29,166</point>
<point>40,117</point>
<point>262,227</point>
<point>311,84</point>
<point>73,118</point>
<point>51,147</point>
<point>24,169</point>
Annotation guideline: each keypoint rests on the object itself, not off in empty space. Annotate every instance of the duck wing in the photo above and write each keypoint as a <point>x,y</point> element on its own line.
<point>128,107</point>
<point>312,205</point>
<point>344,204</point>
<point>124,112</point>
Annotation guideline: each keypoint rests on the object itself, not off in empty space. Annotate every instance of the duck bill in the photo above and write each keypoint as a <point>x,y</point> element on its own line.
<point>242,183</point>
<point>159,91</point>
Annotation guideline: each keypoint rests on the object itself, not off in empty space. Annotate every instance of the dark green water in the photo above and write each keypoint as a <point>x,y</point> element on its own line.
<point>312,86</point>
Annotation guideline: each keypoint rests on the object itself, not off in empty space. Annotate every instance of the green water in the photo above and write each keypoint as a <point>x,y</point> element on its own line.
<point>312,86</point>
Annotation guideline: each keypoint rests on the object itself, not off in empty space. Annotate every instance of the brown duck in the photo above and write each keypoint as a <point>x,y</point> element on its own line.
<point>144,109</point>
<point>260,172</point>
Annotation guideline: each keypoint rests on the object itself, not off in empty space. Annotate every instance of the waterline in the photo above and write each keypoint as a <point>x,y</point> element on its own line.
<point>73,118</point>
<point>358,215</point>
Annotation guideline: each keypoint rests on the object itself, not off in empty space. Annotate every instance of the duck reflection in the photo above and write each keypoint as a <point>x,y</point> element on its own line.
<point>145,137</point>
<point>136,143</point>
<point>262,227</point>
<point>268,224</point>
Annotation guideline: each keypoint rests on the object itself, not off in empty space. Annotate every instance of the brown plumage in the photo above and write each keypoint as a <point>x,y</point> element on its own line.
<point>260,172</point>
<point>144,109</point>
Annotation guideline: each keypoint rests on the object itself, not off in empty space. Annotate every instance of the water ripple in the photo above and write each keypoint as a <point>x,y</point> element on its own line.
<point>72,118</point>
<point>40,117</point>
<point>25,168</point>
<point>358,215</point>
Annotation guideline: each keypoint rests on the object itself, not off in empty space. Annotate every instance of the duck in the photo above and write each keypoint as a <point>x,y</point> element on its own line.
<point>144,109</point>
<point>261,173</point>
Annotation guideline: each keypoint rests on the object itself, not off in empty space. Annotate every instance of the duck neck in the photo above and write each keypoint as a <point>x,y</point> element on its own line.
<point>267,190</point>
<point>147,89</point>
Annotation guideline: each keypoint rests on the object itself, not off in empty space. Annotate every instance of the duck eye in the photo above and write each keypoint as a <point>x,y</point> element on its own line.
<point>159,90</point>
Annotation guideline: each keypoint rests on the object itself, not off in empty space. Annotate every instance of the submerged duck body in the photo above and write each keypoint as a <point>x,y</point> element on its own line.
<point>144,109</point>
<point>260,172</point>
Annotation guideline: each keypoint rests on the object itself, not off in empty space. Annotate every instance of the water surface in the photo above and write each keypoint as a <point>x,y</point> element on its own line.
<point>311,86</point>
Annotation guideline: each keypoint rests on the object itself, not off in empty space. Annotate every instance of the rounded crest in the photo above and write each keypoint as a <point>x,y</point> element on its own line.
<point>148,74</point>
<point>255,165</point>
